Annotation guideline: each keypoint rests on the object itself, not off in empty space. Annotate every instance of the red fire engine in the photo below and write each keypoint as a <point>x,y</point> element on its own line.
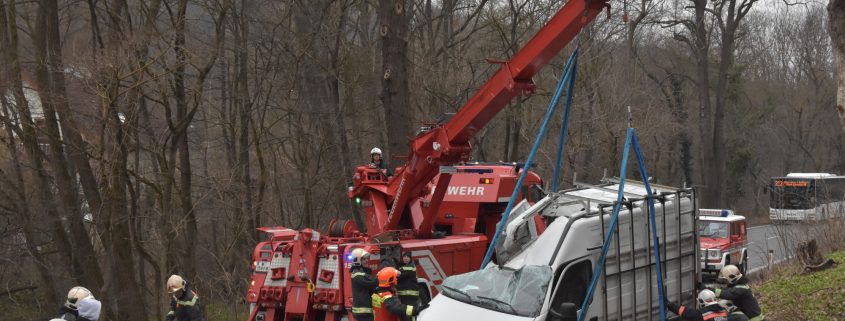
<point>724,240</point>
<point>437,206</point>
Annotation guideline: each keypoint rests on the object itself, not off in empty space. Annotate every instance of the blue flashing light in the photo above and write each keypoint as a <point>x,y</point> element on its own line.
<point>725,213</point>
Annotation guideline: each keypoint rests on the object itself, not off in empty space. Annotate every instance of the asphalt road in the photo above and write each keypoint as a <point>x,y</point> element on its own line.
<point>779,239</point>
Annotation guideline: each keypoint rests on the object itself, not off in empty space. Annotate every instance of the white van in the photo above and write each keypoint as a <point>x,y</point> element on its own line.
<point>546,277</point>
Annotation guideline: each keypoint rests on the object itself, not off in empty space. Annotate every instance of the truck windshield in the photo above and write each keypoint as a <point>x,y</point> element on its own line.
<point>713,229</point>
<point>519,292</point>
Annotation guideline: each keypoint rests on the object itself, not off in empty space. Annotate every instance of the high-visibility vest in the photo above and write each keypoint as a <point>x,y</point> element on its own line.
<point>380,312</point>
<point>715,316</point>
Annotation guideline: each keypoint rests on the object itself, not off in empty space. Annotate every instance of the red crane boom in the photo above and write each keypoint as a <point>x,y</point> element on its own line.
<point>450,144</point>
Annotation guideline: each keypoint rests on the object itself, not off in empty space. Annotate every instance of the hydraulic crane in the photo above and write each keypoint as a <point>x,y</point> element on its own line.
<point>437,206</point>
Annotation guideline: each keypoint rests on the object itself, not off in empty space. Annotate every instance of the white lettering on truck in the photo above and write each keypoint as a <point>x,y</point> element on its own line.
<point>465,190</point>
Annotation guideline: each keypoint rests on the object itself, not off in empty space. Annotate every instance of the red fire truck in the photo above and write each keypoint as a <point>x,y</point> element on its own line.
<point>437,207</point>
<point>724,240</point>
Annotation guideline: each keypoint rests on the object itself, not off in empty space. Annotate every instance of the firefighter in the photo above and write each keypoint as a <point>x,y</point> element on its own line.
<point>386,306</point>
<point>407,288</point>
<point>734,313</point>
<point>184,303</point>
<point>80,306</point>
<point>377,161</point>
<point>709,309</point>
<point>364,284</point>
<point>738,291</point>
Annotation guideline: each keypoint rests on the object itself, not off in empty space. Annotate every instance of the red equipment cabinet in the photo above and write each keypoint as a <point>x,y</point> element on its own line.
<point>441,212</point>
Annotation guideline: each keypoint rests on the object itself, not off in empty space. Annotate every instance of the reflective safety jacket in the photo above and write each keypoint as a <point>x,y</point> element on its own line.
<point>387,307</point>
<point>364,283</point>
<point>713,312</point>
<point>186,307</point>
<point>406,285</point>
<point>743,299</point>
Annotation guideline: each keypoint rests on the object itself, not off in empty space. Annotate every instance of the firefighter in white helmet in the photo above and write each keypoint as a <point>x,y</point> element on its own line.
<point>377,161</point>
<point>364,284</point>
<point>184,303</point>
<point>80,306</point>
<point>737,290</point>
<point>708,308</point>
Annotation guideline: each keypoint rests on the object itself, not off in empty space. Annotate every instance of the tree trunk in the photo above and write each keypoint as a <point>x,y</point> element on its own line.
<point>11,67</point>
<point>836,14</point>
<point>394,18</point>
<point>50,74</point>
<point>701,47</point>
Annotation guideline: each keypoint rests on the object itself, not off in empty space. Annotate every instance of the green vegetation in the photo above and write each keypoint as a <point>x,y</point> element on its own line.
<point>788,295</point>
<point>220,311</point>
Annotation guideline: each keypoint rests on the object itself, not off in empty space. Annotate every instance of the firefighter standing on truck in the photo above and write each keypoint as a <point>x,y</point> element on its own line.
<point>738,291</point>
<point>364,284</point>
<point>184,303</point>
<point>377,161</point>
<point>386,306</point>
<point>709,309</point>
<point>407,288</point>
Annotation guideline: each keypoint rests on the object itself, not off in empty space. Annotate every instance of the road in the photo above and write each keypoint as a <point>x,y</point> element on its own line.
<point>780,239</point>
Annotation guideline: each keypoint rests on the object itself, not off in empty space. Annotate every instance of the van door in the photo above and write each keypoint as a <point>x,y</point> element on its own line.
<point>570,290</point>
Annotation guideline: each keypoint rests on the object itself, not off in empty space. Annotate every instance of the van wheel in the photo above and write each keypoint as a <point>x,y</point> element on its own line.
<point>743,267</point>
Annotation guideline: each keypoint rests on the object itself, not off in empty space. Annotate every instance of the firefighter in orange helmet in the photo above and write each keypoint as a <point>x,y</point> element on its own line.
<point>386,305</point>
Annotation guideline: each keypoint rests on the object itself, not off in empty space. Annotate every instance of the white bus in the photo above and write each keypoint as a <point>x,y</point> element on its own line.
<point>806,197</point>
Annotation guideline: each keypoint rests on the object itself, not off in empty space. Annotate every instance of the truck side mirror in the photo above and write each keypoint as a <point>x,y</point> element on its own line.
<point>564,312</point>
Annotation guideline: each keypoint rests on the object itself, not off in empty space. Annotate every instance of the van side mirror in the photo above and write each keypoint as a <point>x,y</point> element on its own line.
<point>564,312</point>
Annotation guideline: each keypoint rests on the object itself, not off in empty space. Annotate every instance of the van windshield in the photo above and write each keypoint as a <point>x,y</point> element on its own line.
<point>520,292</point>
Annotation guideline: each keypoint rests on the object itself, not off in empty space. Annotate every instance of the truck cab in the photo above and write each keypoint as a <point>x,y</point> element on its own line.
<point>724,240</point>
<point>546,277</point>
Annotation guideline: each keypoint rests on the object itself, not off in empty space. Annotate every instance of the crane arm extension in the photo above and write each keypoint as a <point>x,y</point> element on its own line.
<point>451,143</point>
<point>514,77</point>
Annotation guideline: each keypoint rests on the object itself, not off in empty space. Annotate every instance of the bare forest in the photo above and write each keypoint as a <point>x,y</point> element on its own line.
<point>144,138</point>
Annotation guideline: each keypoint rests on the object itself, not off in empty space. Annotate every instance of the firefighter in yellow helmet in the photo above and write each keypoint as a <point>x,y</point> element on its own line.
<point>364,283</point>
<point>184,303</point>
<point>737,290</point>
<point>80,306</point>
<point>386,305</point>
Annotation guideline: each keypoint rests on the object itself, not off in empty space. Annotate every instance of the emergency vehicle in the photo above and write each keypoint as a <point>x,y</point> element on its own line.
<point>437,206</point>
<point>724,240</point>
<point>546,277</point>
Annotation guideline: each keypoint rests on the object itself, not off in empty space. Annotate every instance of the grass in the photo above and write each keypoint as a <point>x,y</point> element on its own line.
<point>788,295</point>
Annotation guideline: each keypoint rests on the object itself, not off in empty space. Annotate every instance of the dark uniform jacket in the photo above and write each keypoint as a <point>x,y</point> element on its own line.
<point>185,308</point>
<point>740,294</point>
<point>364,283</point>
<point>407,283</point>
<point>712,312</point>
<point>737,316</point>
<point>70,315</point>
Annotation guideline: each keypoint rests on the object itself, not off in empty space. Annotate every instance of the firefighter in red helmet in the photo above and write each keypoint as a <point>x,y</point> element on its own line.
<point>386,305</point>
